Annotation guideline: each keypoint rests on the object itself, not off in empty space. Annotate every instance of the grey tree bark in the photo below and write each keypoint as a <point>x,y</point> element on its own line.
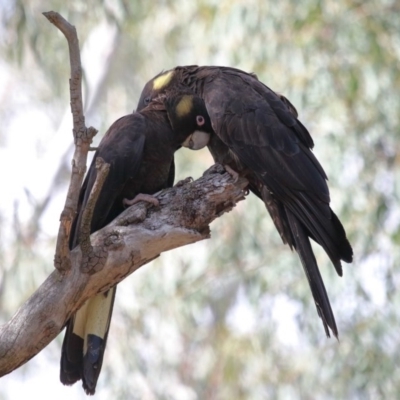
<point>103,259</point>
<point>139,235</point>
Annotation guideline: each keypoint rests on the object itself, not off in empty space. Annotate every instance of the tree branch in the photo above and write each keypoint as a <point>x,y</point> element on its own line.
<point>82,138</point>
<point>137,236</point>
<point>92,260</point>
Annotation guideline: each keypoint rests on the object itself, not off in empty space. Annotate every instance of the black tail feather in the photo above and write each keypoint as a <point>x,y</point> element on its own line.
<point>71,356</point>
<point>303,247</point>
<point>96,339</point>
<point>85,342</point>
<point>327,232</point>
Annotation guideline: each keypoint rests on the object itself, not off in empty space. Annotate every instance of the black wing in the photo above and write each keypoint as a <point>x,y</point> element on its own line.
<point>122,147</point>
<point>263,132</point>
<point>269,140</point>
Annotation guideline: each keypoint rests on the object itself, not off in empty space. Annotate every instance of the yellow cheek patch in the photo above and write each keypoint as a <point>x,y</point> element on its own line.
<point>185,106</point>
<point>162,80</point>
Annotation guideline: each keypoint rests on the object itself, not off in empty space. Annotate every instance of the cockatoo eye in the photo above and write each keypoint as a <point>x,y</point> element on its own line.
<point>200,120</point>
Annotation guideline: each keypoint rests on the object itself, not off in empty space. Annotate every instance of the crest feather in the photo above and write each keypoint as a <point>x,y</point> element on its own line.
<point>162,80</point>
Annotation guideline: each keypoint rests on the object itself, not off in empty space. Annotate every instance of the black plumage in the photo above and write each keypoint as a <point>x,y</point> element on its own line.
<point>258,135</point>
<point>140,149</point>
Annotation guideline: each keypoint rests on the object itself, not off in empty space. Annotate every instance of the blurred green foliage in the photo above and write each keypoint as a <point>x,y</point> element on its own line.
<point>232,318</point>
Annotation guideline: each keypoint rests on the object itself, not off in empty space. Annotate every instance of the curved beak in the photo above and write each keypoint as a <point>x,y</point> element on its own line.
<point>197,140</point>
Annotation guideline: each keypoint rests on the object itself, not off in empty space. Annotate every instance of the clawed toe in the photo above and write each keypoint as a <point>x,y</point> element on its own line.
<point>232,173</point>
<point>148,198</point>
